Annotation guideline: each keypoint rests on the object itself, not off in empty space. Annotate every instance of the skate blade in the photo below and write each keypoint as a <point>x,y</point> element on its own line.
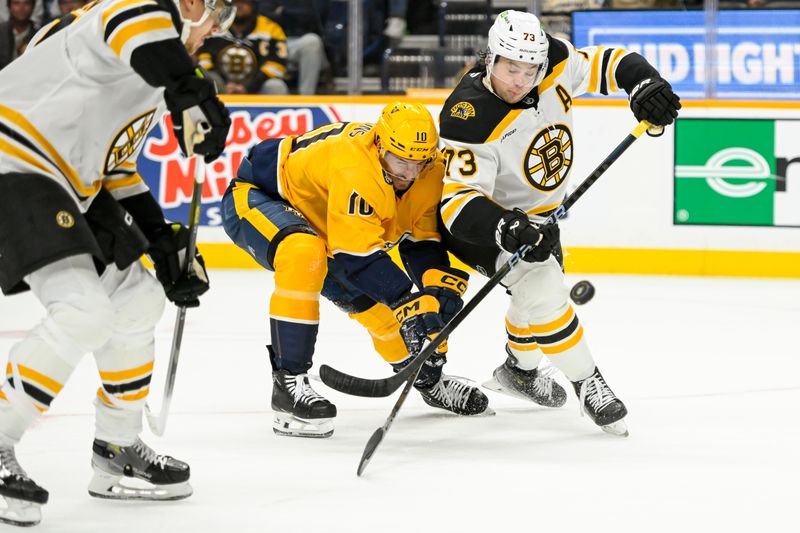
<point>287,425</point>
<point>618,428</point>
<point>18,512</point>
<point>111,487</point>
<point>495,386</point>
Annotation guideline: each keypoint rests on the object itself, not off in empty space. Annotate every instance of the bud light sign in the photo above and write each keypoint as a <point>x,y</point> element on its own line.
<point>170,176</point>
<point>757,52</point>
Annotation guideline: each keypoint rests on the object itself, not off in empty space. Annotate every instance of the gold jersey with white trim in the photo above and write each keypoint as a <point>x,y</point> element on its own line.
<point>333,176</point>
<point>73,109</point>
<point>501,156</point>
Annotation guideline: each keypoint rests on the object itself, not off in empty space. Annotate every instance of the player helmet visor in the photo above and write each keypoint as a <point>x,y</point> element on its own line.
<point>222,11</point>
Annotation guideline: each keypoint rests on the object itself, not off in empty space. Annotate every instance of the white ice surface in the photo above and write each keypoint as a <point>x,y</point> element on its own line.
<point>709,369</point>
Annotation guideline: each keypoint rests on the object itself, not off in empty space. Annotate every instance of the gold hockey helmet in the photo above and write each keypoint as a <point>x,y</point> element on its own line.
<point>408,131</point>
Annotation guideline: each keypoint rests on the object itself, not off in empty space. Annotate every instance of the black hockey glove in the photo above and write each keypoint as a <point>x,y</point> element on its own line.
<point>653,100</point>
<point>448,285</point>
<point>167,251</point>
<point>418,315</point>
<point>118,235</point>
<point>198,96</point>
<point>515,229</point>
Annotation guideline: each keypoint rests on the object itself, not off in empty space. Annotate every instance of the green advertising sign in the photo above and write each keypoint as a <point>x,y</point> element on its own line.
<point>734,172</point>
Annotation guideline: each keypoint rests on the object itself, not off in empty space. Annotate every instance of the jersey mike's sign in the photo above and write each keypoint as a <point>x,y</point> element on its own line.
<point>170,176</point>
<point>757,52</point>
<point>737,172</point>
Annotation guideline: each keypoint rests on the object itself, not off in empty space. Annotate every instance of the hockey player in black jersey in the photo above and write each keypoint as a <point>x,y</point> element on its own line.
<point>76,217</point>
<point>508,136</point>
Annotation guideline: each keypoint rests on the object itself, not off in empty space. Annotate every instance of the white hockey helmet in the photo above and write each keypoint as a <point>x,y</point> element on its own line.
<point>223,12</point>
<point>518,36</point>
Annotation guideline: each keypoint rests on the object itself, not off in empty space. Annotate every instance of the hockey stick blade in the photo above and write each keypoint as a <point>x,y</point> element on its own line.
<point>380,433</point>
<point>369,449</point>
<point>379,388</point>
<point>355,386</point>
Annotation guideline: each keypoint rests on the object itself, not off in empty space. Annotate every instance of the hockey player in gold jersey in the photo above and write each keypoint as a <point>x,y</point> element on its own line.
<point>321,210</point>
<point>507,131</point>
<point>76,218</point>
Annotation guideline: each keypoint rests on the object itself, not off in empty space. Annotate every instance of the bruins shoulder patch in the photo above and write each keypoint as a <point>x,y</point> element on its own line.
<point>462,110</point>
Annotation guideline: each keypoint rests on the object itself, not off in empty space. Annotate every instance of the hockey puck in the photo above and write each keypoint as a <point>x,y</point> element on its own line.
<point>582,292</point>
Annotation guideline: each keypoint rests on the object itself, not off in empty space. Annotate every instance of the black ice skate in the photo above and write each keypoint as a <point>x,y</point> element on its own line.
<point>20,497</point>
<point>457,396</point>
<point>535,385</point>
<point>299,410</point>
<point>601,404</point>
<point>148,475</point>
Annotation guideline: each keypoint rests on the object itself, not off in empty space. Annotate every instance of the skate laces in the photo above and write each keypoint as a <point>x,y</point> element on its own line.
<point>301,389</point>
<point>596,392</point>
<point>543,382</point>
<point>454,393</point>
<point>149,455</point>
<point>9,464</point>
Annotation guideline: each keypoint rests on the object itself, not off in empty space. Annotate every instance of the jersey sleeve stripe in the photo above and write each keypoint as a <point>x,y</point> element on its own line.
<point>45,32</point>
<point>155,25</point>
<point>594,69</point>
<point>127,15</point>
<point>21,122</point>
<point>612,67</point>
<point>452,207</point>
<point>501,127</point>
<point>120,6</point>
<point>604,70</point>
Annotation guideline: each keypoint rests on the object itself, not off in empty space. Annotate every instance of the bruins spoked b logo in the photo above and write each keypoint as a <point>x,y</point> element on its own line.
<point>549,158</point>
<point>238,63</point>
<point>65,219</point>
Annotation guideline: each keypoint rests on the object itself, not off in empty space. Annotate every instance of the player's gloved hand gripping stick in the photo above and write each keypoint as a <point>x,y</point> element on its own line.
<point>384,387</point>
<point>194,132</point>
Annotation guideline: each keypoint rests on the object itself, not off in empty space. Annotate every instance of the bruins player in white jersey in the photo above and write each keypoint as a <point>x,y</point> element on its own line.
<point>74,112</point>
<point>507,131</point>
<point>321,210</point>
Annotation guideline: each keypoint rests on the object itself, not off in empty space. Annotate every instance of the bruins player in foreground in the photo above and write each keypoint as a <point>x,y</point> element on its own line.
<point>321,210</point>
<point>507,131</point>
<point>74,112</point>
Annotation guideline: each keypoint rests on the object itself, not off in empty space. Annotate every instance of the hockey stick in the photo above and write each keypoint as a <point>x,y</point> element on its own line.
<point>412,369</point>
<point>193,135</point>
<point>378,388</point>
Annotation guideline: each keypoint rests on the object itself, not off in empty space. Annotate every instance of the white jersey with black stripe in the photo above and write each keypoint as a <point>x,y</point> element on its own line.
<point>73,109</point>
<point>519,155</point>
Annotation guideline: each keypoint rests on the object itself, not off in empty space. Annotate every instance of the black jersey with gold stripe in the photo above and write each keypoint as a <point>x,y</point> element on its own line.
<point>248,57</point>
<point>500,156</point>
